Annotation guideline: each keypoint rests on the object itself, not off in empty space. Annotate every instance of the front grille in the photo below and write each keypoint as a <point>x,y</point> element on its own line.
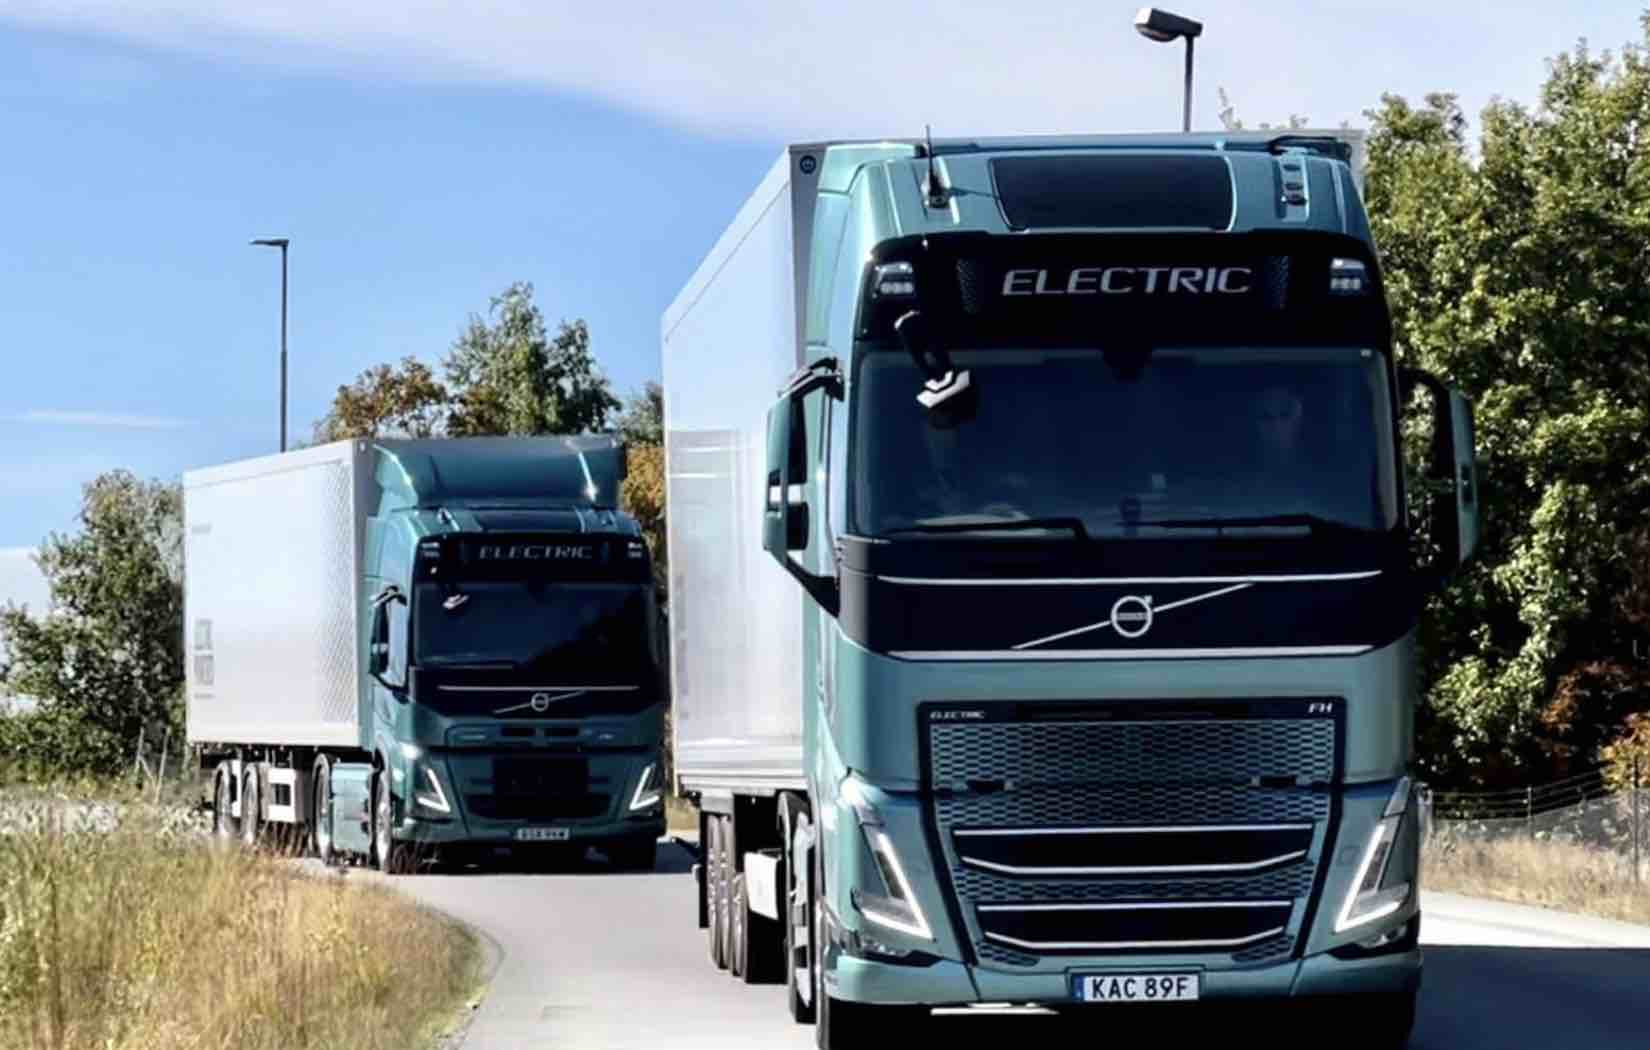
<point>538,789</point>
<point>1155,926</point>
<point>1065,829</point>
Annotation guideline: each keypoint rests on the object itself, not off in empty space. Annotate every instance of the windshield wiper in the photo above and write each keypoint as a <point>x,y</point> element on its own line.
<point>1074,525</point>
<point>1313,522</point>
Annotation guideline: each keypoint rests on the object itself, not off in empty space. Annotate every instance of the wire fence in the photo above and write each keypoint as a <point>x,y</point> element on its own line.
<point>1583,810</point>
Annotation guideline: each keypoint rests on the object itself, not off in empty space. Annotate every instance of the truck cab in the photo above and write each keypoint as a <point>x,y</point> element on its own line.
<point>514,654</point>
<point>1090,474</point>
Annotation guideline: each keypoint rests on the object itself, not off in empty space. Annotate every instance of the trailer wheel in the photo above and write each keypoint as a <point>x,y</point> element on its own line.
<point>715,897</point>
<point>392,857</point>
<point>225,825</point>
<point>320,817</point>
<point>739,930</point>
<point>251,814</point>
<point>799,972</point>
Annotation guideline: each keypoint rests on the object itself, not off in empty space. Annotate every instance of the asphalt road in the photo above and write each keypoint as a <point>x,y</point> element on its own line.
<point>589,959</point>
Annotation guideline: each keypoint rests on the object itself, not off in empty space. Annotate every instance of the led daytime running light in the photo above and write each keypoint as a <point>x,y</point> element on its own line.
<point>647,793</point>
<point>436,802</point>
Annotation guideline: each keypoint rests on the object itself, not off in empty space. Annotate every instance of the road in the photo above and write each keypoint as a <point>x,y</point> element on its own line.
<point>590,959</point>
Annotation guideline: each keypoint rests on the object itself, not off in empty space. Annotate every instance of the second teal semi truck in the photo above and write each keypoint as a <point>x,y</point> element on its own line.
<point>409,650</point>
<point>1045,580</point>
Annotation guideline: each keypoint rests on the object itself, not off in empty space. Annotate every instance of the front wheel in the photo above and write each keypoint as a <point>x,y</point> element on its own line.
<point>392,857</point>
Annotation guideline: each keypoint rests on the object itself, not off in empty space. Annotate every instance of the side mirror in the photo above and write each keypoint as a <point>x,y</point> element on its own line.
<point>1450,477</point>
<point>786,517</point>
<point>378,642</point>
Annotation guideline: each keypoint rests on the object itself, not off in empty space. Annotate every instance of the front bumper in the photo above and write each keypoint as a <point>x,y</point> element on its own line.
<point>948,982</point>
<point>618,802</point>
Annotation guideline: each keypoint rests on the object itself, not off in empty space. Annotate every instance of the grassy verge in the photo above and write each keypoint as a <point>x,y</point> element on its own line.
<point>133,938</point>
<point>681,816</point>
<point>1544,873</point>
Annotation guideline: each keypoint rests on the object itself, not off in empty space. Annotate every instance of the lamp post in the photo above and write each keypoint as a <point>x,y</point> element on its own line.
<point>281,243</point>
<point>1163,27</point>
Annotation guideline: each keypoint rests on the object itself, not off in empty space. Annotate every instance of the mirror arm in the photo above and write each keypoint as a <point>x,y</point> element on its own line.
<point>822,589</point>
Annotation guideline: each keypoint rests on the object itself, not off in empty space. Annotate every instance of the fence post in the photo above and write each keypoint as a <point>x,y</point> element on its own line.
<point>1637,821</point>
<point>160,779</point>
<point>1529,812</point>
<point>137,756</point>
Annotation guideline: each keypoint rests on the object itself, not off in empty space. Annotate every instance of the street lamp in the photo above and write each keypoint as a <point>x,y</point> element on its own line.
<point>1164,27</point>
<point>281,243</point>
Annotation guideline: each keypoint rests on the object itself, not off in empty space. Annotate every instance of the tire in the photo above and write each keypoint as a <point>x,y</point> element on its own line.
<point>739,930</point>
<point>756,943</point>
<point>714,895</point>
<point>320,816</point>
<point>252,823</point>
<point>390,857</point>
<point>639,854</point>
<point>226,827</point>
<point>798,961</point>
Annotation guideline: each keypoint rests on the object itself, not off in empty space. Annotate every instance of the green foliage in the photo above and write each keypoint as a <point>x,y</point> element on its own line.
<point>509,377</point>
<point>106,663</point>
<point>404,400</point>
<point>643,421</point>
<point>1520,276</point>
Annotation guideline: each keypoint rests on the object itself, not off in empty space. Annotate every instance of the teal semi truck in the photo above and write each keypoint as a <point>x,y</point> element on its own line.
<point>1046,570</point>
<point>400,650</point>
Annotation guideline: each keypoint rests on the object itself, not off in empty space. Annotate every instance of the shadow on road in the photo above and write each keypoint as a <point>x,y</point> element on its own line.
<point>1508,998</point>
<point>673,859</point>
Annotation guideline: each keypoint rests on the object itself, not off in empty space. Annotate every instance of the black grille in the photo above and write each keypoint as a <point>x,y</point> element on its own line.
<point>1222,813</point>
<point>1133,752</point>
<point>535,788</point>
<point>527,807</point>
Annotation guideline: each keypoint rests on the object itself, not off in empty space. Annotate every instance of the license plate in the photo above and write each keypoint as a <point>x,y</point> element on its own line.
<point>1137,987</point>
<point>541,834</point>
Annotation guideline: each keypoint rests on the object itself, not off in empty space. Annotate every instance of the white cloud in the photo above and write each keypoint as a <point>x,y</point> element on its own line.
<point>101,419</point>
<point>21,581</point>
<point>874,67</point>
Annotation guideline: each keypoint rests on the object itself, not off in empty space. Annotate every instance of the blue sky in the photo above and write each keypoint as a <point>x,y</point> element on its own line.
<point>422,155</point>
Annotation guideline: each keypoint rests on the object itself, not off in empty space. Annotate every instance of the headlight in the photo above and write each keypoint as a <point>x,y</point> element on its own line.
<point>647,789</point>
<point>428,793</point>
<point>895,908</point>
<point>1367,900</point>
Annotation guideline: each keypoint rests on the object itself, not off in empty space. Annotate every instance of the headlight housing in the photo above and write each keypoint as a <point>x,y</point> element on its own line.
<point>428,794</point>
<point>648,792</point>
<point>896,907</point>
<point>1367,899</point>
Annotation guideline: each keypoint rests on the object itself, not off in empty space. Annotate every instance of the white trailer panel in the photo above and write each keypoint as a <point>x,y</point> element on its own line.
<point>271,575</point>
<point>729,342</point>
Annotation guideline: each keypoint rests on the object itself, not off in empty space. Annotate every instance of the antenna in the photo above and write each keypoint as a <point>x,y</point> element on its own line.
<point>936,195</point>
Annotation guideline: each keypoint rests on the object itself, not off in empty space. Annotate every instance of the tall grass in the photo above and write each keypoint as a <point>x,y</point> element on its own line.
<point>136,938</point>
<point>1544,872</point>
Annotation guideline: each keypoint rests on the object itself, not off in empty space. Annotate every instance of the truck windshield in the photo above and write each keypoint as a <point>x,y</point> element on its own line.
<point>598,629</point>
<point>1210,441</point>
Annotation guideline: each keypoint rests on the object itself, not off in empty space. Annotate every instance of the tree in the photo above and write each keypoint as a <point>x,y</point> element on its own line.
<point>643,421</point>
<point>509,377</point>
<point>1521,278</point>
<point>387,401</point>
<point>107,661</point>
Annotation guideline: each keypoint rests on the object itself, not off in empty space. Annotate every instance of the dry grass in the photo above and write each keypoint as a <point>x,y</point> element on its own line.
<point>1546,873</point>
<point>134,939</point>
<point>681,816</point>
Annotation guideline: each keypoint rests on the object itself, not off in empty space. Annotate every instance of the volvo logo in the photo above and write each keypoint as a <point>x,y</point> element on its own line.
<point>540,702</point>
<point>1131,615</point>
